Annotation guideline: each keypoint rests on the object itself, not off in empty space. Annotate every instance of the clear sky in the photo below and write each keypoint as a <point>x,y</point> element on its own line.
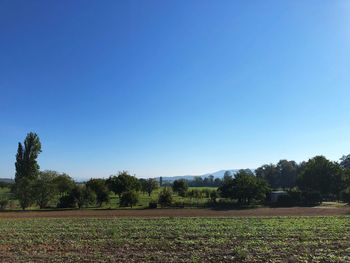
<point>164,88</point>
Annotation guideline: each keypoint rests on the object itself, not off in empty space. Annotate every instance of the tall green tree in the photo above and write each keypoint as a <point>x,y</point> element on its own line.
<point>44,188</point>
<point>287,173</point>
<point>27,169</point>
<point>345,162</point>
<point>180,187</point>
<point>149,185</point>
<point>64,184</point>
<point>321,175</point>
<point>123,182</point>
<point>165,197</point>
<point>244,187</point>
<point>269,172</point>
<point>129,198</point>
<point>83,195</point>
<point>101,190</point>
<point>282,175</point>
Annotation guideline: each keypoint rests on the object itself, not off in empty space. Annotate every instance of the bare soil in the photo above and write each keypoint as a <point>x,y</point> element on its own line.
<point>151,213</point>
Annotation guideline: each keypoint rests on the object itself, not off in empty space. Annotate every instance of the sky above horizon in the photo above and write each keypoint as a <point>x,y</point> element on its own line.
<point>168,88</point>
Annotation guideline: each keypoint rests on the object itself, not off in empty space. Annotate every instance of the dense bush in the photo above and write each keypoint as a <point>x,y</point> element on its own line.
<point>100,188</point>
<point>213,196</point>
<point>66,201</point>
<point>311,198</point>
<point>83,196</point>
<point>296,195</point>
<point>152,205</point>
<point>129,198</point>
<point>244,187</point>
<point>165,197</point>
<point>4,201</point>
<point>180,187</point>
<point>345,195</point>
<point>285,200</point>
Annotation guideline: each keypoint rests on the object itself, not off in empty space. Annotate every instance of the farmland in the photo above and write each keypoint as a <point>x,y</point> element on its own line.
<point>263,239</point>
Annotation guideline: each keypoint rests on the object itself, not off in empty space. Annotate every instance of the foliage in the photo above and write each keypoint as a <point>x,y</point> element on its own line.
<point>245,187</point>
<point>321,175</point>
<point>67,201</point>
<point>83,196</point>
<point>4,201</point>
<point>152,205</point>
<point>129,198</point>
<point>101,190</point>
<point>213,196</point>
<point>269,173</point>
<point>123,182</point>
<point>64,183</point>
<point>312,198</point>
<point>345,195</point>
<point>165,197</point>
<point>44,188</point>
<point>296,196</point>
<point>208,181</point>
<point>27,169</point>
<point>194,193</point>
<point>282,175</point>
<point>345,162</point>
<point>149,185</point>
<point>5,184</point>
<point>180,187</point>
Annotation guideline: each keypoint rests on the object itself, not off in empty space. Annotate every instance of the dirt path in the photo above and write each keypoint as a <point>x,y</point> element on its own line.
<point>149,213</point>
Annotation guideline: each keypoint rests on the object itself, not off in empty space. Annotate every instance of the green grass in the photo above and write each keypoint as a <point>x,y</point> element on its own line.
<point>4,190</point>
<point>203,188</point>
<point>298,239</point>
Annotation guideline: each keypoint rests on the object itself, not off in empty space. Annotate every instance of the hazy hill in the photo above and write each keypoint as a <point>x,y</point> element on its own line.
<point>217,174</point>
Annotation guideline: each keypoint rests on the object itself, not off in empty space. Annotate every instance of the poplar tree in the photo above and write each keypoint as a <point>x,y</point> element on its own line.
<point>27,169</point>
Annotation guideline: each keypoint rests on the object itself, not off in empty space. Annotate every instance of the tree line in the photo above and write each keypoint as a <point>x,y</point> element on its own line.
<point>305,183</point>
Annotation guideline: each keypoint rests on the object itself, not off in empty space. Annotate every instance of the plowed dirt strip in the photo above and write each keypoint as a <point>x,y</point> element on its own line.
<point>149,213</point>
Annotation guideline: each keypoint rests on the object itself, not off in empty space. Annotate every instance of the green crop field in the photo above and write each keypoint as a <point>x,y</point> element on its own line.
<point>275,239</point>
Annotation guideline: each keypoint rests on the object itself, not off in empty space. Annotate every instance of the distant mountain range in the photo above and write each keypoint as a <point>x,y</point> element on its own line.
<point>217,174</point>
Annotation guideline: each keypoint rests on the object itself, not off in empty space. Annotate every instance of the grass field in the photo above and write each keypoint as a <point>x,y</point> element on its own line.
<point>274,239</point>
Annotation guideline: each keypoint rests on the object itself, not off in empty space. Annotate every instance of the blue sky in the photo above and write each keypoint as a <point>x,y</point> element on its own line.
<point>164,88</point>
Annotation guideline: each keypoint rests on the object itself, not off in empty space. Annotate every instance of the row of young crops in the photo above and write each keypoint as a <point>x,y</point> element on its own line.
<point>278,239</point>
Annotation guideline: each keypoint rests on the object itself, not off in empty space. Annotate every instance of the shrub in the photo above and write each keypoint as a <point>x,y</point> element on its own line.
<point>345,195</point>
<point>67,201</point>
<point>296,196</point>
<point>83,195</point>
<point>152,205</point>
<point>4,201</point>
<point>206,192</point>
<point>180,187</point>
<point>285,200</point>
<point>213,196</point>
<point>129,198</point>
<point>165,197</point>
<point>101,190</point>
<point>312,198</point>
